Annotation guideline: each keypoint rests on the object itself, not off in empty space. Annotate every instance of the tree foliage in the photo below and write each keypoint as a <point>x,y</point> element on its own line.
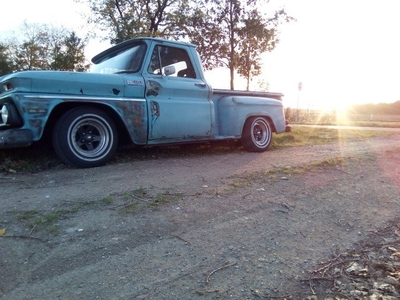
<point>126,19</point>
<point>6,65</point>
<point>42,47</point>
<point>69,54</point>
<point>234,33</point>
<point>254,39</point>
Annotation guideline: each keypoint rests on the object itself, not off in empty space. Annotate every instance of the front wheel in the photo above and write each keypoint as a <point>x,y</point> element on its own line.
<point>256,135</point>
<point>85,137</point>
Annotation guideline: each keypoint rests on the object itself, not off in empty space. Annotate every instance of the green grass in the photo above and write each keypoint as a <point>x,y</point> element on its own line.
<point>241,181</point>
<point>47,221</point>
<point>307,136</point>
<point>34,220</point>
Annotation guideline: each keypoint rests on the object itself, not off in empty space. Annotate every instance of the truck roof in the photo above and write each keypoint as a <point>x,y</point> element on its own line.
<point>127,43</point>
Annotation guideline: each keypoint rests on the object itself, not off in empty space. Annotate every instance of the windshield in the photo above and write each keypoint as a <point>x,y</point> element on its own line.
<point>122,60</point>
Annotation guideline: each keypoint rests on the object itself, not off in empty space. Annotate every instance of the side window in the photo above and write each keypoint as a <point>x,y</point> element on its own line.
<point>154,66</point>
<point>164,58</point>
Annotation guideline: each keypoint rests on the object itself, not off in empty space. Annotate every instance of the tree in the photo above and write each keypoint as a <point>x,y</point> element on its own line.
<point>32,54</point>
<point>233,34</point>
<point>126,19</point>
<point>6,65</point>
<point>253,40</point>
<point>69,55</point>
<point>44,47</point>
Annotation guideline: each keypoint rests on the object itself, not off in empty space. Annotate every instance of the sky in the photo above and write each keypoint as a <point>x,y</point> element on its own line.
<point>343,52</point>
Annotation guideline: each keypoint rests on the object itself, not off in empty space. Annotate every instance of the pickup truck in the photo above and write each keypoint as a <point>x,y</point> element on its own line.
<point>144,92</point>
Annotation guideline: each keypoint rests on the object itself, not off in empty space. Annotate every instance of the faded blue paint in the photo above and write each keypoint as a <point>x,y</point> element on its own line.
<point>34,110</point>
<point>67,83</point>
<point>234,110</point>
<point>134,115</point>
<point>154,108</point>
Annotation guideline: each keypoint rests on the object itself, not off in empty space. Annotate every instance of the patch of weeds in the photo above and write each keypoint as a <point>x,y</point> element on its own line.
<point>239,184</point>
<point>338,161</point>
<point>77,207</point>
<point>272,176</point>
<point>288,171</point>
<point>127,196</point>
<point>35,220</point>
<point>162,198</point>
<point>224,191</point>
<point>140,199</point>
<point>140,192</point>
<point>26,215</point>
<point>133,200</point>
<point>108,200</point>
<point>130,208</point>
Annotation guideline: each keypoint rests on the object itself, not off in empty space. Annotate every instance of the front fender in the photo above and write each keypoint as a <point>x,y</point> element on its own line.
<point>36,111</point>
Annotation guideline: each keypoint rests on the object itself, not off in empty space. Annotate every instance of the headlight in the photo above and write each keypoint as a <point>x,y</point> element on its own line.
<point>4,114</point>
<point>9,116</point>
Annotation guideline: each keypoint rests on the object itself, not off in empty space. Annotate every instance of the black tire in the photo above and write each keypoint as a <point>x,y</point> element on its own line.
<point>85,137</point>
<point>256,135</point>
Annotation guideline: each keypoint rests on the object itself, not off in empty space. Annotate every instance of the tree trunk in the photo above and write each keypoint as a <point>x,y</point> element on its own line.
<point>232,73</point>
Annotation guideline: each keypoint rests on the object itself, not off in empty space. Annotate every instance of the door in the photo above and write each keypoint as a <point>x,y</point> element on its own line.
<point>179,102</point>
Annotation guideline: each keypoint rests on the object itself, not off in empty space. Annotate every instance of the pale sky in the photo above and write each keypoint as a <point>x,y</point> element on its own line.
<point>343,51</point>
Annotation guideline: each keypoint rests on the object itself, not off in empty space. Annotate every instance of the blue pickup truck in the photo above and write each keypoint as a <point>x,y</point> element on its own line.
<point>144,91</point>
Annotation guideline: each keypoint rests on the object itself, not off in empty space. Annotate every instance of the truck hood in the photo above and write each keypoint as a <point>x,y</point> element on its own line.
<point>61,82</point>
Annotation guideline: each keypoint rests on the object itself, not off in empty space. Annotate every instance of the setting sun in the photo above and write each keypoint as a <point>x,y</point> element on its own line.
<point>344,52</point>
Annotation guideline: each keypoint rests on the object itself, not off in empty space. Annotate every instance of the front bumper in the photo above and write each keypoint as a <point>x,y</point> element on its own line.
<point>15,138</point>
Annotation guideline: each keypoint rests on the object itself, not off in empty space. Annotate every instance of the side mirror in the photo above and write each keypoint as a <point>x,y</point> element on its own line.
<point>169,70</point>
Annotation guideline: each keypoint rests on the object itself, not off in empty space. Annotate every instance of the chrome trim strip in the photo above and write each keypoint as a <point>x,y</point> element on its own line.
<point>84,98</point>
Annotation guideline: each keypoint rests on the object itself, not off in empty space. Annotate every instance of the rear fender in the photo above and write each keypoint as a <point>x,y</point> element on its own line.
<point>233,111</point>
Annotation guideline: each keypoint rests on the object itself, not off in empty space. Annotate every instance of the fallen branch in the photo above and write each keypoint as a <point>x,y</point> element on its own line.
<point>33,228</point>
<point>182,239</point>
<point>204,292</point>
<point>331,278</point>
<point>22,237</point>
<point>226,265</point>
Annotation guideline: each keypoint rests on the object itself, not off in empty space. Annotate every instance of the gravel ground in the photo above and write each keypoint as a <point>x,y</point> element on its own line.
<point>314,222</point>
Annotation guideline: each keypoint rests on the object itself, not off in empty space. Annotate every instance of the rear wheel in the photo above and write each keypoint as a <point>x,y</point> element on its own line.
<point>85,137</point>
<point>257,134</point>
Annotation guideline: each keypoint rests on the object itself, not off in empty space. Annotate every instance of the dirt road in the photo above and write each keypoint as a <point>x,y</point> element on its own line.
<point>234,226</point>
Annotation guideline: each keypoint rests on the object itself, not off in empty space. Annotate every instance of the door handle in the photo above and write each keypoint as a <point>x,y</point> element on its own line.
<point>200,85</point>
